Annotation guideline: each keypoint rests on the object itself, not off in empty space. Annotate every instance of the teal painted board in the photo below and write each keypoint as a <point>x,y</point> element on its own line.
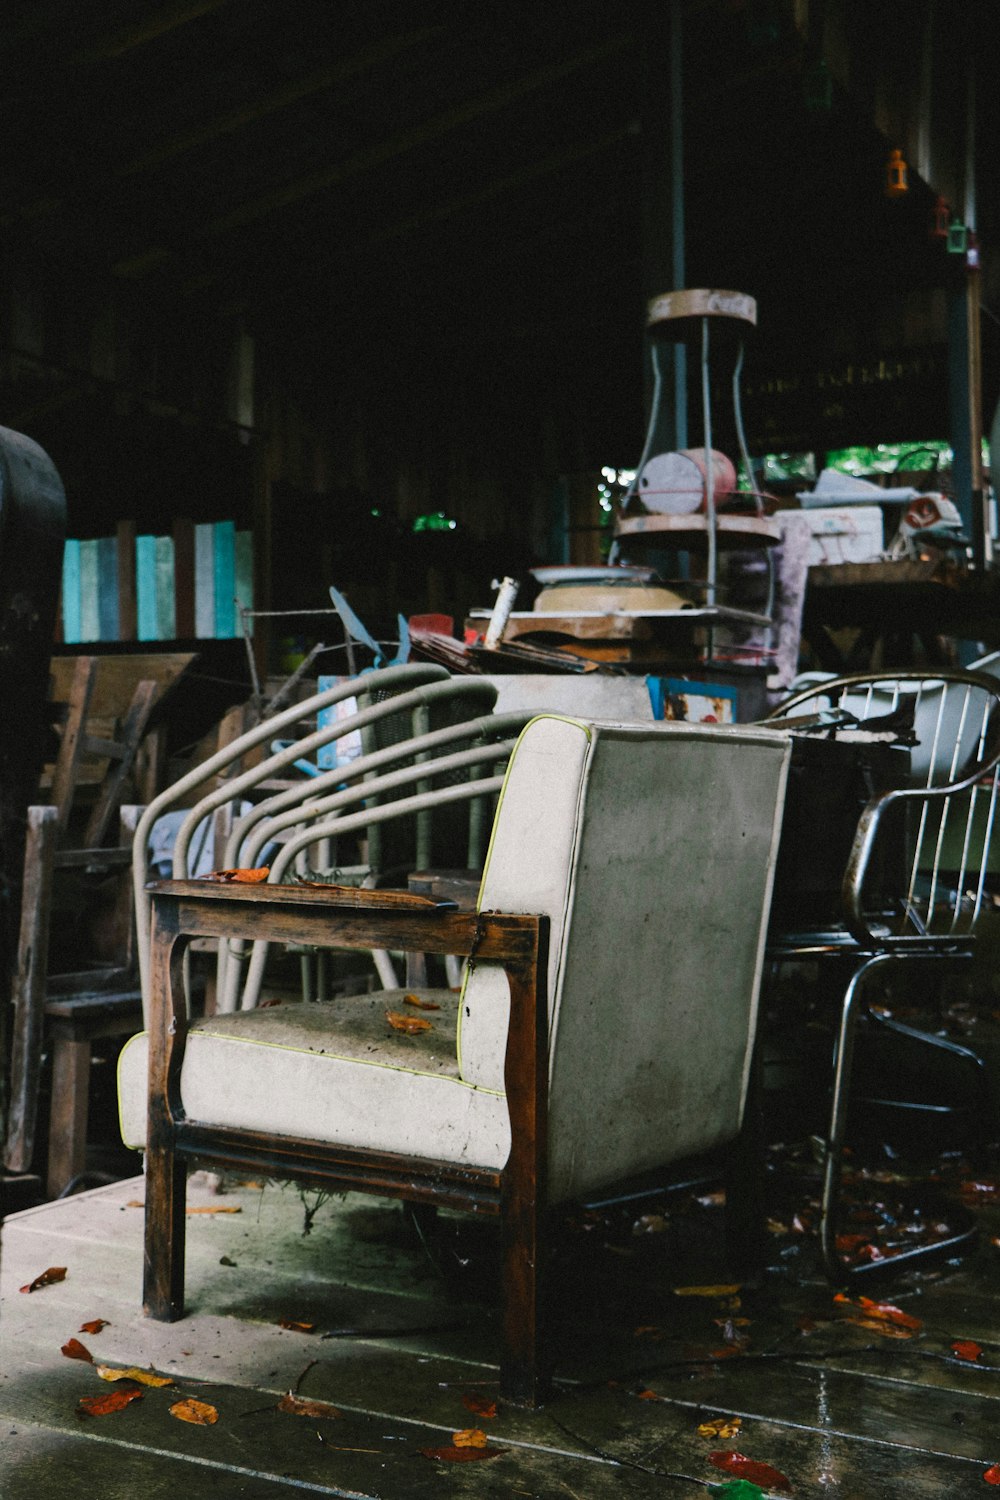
<point>71,592</point>
<point>204,581</point>
<point>145,586</point>
<point>107,587</point>
<point>225,580</point>
<point>244,577</point>
<point>90,623</point>
<point>166,609</point>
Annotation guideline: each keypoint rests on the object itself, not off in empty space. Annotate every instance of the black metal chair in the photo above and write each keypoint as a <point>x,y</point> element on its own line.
<point>914,884</point>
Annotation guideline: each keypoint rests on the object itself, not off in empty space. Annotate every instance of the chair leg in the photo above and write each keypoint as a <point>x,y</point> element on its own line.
<point>524,1374</point>
<point>163,1268</point>
<point>68,1112</point>
<point>833,1265</point>
<point>746,1238</point>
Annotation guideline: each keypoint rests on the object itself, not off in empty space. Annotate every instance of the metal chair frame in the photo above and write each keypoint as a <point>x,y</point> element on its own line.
<point>935,916</point>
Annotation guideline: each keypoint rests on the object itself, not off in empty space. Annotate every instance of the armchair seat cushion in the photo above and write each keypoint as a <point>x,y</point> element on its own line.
<point>333,1071</point>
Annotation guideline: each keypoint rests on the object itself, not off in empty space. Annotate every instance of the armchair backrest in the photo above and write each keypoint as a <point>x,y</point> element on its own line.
<point>651,848</point>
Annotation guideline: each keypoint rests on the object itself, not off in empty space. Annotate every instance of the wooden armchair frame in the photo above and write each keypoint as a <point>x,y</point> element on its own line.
<point>182,910</point>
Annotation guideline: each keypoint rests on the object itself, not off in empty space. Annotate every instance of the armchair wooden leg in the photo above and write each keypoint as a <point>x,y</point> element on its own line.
<point>163,1266</point>
<point>524,1373</point>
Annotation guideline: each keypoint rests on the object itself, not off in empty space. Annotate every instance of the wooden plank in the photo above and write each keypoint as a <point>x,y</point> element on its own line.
<point>117,678</point>
<point>145,585</point>
<point>204,581</point>
<point>71,618</point>
<point>28,989</point>
<point>183,533</point>
<point>107,588</point>
<point>127,608</point>
<point>244,577</point>
<point>90,624</point>
<point>132,731</point>
<point>166,613</point>
<point>225,581</point>
<point>65,772</point>
<point>68,1112</point>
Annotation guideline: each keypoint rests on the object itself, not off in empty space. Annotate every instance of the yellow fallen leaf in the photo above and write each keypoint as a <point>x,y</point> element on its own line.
<point>470,1437</point>
<point>707,1291</point>
<point>228,1208</point>
<point>420,1004</point>
<point>410,1024</point>
<point>198,1412</point>
<point>721,1427</point>
<point>142,1377</point>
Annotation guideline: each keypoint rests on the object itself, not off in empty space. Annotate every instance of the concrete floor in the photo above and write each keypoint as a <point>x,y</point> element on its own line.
<point>404,1342</point>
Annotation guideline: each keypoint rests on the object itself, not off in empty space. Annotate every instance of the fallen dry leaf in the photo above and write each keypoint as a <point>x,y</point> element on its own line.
<point>707,1291</point>
<point>47,1278</point>
<point>451,1454</point>
<point>240,877</point>
<point>410,1024</point>
<point>296,1325</point>
<point>469,1437</point>
<point>104,1406</point>
<point>887,1311</point>
<point>298,1406</point>
<point>198,1412</point>
<point>222,1208</point>
<point>762,1474</point>
<point>648,1395</point>
<point>721,1427</point>
<point>94,1326</point>
<point>483,1406</point>
<point>420,1004</point>
<point>135,1203</point>
<point>884,1330</point>
<point>143,1377</point>
<point>966,1349</point>
<point>73,1349</point>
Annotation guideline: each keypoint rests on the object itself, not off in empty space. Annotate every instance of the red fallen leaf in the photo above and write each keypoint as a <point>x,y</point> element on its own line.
<point>648,1395</point>
<point>481,1405</point>
<point>103,1406</point>
<point>410,1024</point>
<point>73,1349</point>
<point>420,1004</point>
<point>451,1454</point>
<point>966,1349</point>
<point>992,1474</point>
<point>94,1326</point>
<point>47,1278</point>
<point>295,1326</point>
<point>748,1468</point>
<point>240,877</point>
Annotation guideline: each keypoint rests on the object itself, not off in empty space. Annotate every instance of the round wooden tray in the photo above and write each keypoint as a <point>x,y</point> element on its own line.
<point>691,532</point>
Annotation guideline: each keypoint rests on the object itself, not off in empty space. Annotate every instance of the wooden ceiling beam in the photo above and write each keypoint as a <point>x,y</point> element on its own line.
<point>408,140</point>
<point>293,93</point>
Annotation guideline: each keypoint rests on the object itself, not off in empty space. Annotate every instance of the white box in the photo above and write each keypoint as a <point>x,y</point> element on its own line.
<point>849,534</point>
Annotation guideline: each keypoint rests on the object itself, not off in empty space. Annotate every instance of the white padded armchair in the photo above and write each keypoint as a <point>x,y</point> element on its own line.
<point>604,1029</point>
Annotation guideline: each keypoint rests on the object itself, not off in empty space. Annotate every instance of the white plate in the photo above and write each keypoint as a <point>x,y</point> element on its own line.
<point>592,573</point>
